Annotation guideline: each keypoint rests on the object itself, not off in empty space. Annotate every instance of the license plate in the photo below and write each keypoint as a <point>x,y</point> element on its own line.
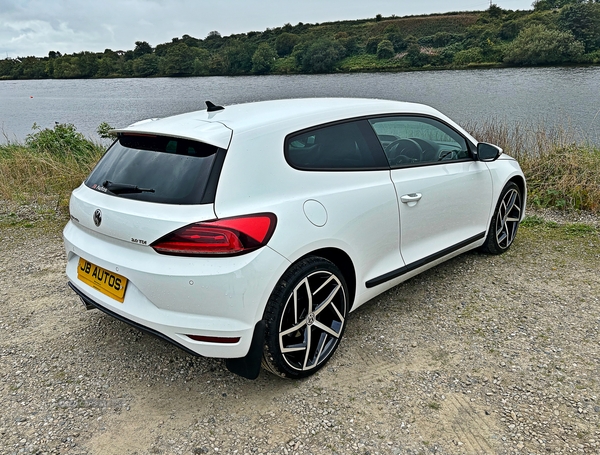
<point>102,280</point>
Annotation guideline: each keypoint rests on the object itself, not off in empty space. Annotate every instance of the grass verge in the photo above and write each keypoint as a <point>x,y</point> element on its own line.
<point>561,167</point>
<point>47,166</point>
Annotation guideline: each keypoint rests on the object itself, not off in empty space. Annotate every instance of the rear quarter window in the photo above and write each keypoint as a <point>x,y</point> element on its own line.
<point>165,170</point>
<point>343,146</point>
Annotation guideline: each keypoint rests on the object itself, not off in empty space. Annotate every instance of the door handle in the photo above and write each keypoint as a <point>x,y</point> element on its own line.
<point>412,197</point>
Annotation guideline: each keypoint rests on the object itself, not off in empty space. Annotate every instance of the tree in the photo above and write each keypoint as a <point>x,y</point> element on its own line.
<point>33,68</point>
<point>66,67</point>
<point>415,57</point>
<point>494,11</point>
<point>213,41</point>
<point>190,41</point>
<point>107,67</point>
<point>146,65</point>
<point>385,49</point>
<point>141,48</point>
<point>216,64</point>
<point>87,62</point>
<point>237,56</point>
<point>10,68</point>
<point>583,20</point>
<point>321,56</point>
<point>395,35</point>
<point>202,62</point>
<point>178,61</point>
<point>538,45</point>
<point>263,59</point>
<point>285,42</point>
<point>372,43</point>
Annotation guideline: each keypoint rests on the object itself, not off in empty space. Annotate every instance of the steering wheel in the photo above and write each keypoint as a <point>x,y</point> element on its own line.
<point>403,151</point>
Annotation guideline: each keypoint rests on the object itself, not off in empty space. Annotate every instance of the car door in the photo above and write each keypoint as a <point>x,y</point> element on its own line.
<point>444,195</point>
<point>347,173</point>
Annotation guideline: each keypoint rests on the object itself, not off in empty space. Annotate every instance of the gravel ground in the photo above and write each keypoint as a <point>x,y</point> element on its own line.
<point>479,355</point>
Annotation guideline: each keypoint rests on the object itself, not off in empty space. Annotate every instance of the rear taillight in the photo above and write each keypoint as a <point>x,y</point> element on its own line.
<point>227,236</point>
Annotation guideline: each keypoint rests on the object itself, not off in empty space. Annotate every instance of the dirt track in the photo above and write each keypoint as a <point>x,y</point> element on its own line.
<point>480,355</point>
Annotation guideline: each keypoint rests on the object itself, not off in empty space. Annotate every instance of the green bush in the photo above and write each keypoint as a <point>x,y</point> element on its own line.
<point>385,49</point>
<point>61,141</point>
<point>415,57</point>
<point>538,45</point>
<point>284,44</point>
<point>320,56</point>
<point>372,43</point>
<point>472,55</point>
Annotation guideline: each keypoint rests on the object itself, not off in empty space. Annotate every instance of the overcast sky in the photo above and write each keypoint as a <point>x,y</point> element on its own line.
<point>35,27</point>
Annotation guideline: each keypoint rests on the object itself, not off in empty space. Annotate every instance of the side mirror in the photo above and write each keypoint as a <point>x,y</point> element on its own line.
<point>488,152</point>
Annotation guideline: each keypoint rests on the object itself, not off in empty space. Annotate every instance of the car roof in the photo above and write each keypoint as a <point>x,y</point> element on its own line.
<point>287,115</point>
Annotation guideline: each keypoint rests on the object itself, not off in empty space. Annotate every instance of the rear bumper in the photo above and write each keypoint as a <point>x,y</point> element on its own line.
<point>173,297</point>
<point>91,304</point>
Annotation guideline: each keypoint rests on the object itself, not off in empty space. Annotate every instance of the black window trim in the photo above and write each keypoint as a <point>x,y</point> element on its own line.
<point>472,147</point>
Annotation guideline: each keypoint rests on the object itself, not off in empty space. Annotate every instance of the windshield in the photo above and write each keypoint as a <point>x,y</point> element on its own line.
<point>158,169</point>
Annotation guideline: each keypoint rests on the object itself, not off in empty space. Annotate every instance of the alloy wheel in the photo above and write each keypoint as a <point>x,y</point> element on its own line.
<point>312,320</point>
<point>507,220</point>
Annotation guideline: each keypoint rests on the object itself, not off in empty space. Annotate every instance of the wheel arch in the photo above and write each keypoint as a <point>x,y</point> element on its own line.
<point>520,182</point>
<point>343,262</point>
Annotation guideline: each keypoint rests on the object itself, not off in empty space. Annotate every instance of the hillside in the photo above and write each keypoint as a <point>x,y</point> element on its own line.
<point>555,32</point>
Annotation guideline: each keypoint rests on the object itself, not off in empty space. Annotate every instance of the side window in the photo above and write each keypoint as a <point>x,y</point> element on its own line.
<point>345,146</point>
<point>418,140</point>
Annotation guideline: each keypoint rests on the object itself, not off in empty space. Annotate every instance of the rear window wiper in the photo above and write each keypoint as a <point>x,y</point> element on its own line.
<point>122,188</point>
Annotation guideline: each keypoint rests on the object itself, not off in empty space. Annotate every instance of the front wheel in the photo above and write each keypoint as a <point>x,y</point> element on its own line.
<point>505,222</point>
<point>305,318</point>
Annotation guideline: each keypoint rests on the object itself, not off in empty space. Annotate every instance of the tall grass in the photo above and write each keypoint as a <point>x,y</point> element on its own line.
<point>561,166</point>
<point>47,166</point>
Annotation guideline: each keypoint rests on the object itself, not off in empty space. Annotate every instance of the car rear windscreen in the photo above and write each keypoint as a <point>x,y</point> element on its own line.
<point>158,169</point>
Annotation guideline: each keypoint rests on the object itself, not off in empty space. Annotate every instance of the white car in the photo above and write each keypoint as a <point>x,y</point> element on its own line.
<point>250,232</point>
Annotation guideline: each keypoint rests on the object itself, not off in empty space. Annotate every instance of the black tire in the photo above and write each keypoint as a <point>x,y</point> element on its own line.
<point>505,221</point>
<point>302,333</point>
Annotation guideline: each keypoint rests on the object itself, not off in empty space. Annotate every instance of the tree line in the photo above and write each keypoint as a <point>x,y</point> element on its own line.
<point>553,32</point>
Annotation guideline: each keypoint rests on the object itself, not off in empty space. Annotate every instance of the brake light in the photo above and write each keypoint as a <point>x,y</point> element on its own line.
<point>225,237</point>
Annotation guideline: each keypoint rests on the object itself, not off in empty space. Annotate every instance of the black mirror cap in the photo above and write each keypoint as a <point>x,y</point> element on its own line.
<point>488,152</point>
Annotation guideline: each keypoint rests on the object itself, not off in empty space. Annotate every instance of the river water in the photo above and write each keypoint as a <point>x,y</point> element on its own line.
<point>551,96</point>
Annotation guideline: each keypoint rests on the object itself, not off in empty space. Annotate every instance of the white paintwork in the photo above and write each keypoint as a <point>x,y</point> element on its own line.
<point>359,213</point>
<point>446,213</point>
<point>315,212</point>
<point>124,219</point>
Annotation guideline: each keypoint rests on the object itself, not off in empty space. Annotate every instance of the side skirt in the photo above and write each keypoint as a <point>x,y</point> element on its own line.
<point>422,262</point>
